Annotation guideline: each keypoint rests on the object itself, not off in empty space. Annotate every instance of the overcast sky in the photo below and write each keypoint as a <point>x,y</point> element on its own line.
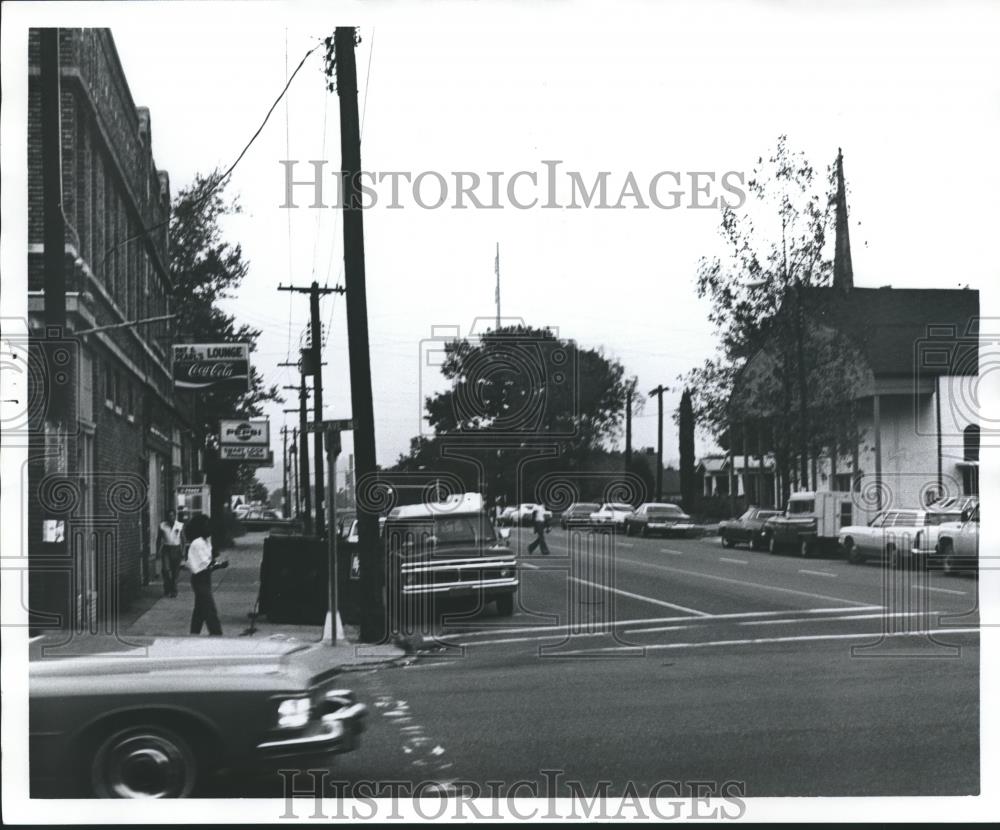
<point>910,94</point>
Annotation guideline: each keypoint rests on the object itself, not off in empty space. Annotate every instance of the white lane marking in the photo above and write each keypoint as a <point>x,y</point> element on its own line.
<point>734,561</point>
<point>654,620</point>
<point>881,616</point>
<point>620,592</point>
<point>674,552</point>
<point>944,590</point>
<point>659,628</point>
<point>743,582</point>
<point>767,640</point>
<point>816,573</point>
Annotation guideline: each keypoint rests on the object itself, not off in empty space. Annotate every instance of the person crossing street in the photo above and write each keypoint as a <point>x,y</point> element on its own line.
<point>538,519</point>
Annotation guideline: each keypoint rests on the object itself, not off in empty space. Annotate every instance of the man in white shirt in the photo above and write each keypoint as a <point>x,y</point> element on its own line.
<point>199,562</point>
<point>538,519</point>
<point>171,542</point>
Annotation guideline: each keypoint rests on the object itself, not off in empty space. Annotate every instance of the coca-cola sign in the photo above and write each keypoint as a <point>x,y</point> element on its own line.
<point>216,366</point>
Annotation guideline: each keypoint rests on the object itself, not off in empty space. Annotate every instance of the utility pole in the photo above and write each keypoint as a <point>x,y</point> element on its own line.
<point>294,453</point>
<point>313,365</point>
<point>628,431</point>
<point>658,391</point>
<point>498,286</point>
<point>372,566</point>
<point>284,472</point>
<point>303,452</point>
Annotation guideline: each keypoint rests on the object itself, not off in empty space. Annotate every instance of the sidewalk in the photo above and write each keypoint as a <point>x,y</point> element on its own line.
<point>235,590</point>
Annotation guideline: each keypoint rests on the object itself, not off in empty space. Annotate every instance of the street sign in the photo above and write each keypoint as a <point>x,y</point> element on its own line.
<point>246,453</point>
<point>323,426</point>
<point>200,366</point>
<point>245,432</point>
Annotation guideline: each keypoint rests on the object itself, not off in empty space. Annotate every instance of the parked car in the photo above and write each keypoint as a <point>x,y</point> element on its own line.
<point>659,517</point>
<point>578,514</point>
<point>891,535</point>
<point>263,519</point>
<point>811,521</point>
<point>449,551</point>
<point>611,516</point>
<point>747,529</point>
<point>958,544</point>
<point>159,716</point>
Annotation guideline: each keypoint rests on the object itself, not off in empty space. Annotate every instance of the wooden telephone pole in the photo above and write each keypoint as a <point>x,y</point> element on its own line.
<point>303,457</point>
<point>372,566</point>
<point>312,364</point>
<point>658,391</point>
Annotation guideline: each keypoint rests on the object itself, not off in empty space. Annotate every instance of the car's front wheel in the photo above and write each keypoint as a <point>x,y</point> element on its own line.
<point>772,545</point>
<point>144,761</point>
<point>805,548</point>
<point>853,556</point>
<point>726,541</point>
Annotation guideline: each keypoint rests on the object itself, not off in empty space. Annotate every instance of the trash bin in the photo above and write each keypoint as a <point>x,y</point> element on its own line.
<point>293,580</point>
<point>293,586</point>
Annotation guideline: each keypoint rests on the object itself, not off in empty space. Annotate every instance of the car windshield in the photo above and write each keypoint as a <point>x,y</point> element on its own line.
<point>748,515</point>
<point>801,506</point>
<point>937,517</point>
<point>584,508</point>
<point>620,507</point>
<point>442,530</point>
<point>767,514</point>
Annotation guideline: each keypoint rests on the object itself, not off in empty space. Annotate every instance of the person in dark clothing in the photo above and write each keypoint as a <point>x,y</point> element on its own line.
<point>538,519</point>
<point>199,562</point>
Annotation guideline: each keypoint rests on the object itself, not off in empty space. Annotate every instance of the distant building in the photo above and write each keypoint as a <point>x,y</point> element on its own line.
<point>101,479</point>
<point>752,482</point>
<point>916,373</point>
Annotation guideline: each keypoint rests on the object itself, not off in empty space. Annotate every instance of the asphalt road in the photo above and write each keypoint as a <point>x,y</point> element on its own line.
<point>637,661</point>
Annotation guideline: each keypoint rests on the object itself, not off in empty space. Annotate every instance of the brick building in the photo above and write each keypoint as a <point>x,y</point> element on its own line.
<point>103,465</point>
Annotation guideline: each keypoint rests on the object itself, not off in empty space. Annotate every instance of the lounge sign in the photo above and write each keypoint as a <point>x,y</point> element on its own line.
<point>245,433</point>
<point>215,366</point>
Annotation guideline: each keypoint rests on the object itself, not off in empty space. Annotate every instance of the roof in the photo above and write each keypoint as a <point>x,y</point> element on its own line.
<point>457,503</point>
<point>903,331</point>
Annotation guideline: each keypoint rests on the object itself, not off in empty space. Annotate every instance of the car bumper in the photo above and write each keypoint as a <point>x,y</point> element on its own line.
<point>331,734</point>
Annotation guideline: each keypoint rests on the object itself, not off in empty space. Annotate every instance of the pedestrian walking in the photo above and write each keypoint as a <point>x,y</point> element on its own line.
<point>170,540</point>
<point>199,562</point>
<point>538,519</point>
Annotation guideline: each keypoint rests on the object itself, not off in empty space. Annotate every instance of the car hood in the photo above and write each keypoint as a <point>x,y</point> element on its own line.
<point>443,552</point>
<point>53,655</point>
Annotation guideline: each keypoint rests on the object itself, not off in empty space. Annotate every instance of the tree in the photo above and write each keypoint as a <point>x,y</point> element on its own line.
<point>205,269</point>
<point>513,388</point>
<point>685,418</point>
<point>774,368</point>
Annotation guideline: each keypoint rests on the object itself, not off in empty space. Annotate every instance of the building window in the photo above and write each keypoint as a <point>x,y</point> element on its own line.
<point>842,482</point>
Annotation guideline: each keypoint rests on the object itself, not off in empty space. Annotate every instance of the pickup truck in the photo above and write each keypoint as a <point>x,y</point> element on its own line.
<point>811,521</point>
<point>448,550</point>
<point>958,545</point>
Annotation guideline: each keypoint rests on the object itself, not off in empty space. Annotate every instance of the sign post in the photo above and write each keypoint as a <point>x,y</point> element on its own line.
<point>332,431</point>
